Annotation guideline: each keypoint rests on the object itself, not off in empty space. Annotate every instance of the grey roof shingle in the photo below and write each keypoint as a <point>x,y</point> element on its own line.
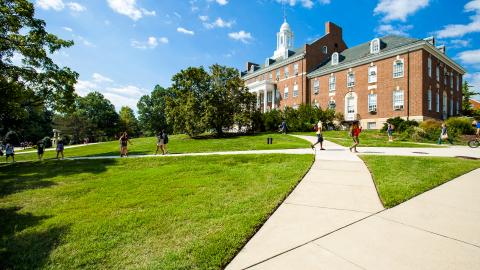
<point>363,50</point>
<point>293,53</point>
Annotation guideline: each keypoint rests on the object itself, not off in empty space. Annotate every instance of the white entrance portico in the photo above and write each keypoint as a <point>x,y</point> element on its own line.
<point>265,92</point>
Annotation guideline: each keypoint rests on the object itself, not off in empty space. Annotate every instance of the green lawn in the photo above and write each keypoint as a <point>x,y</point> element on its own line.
<point>181,144</point>
<point>368,138</point>
<point>400,178</point>
<point>173,213</point>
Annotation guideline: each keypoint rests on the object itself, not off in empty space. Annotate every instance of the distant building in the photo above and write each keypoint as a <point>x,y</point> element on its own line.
<point>475,104</point>
<point>386,77</point>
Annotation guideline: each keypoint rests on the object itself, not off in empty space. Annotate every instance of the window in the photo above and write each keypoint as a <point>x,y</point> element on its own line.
<point>277,76</point>
<point>457,105</point>
<point>335,58</point>
<point>458,82</point>
<point>372,74</point>
<point>429,99</point>
<point>267,62</point>
<point>451,105</point>
<point>270,76</point>
<point>295,90</point>
<point>398,100</point>
<point>295,69</point>
<point>332,105</point>
<point>438,101</point>
<point>316,86</point>
<point>350,79</point>
<point>331,83</point>
<point>371,125</point>
<point>445,76</point>
<point>325,50</point>
<point>269,97</point>
<point>438,73</point>
<point>444,104</point>
<point>350,105</point>
<point>372,102</point>
<point>398,68</point>
<point>451,80</point>
<point>375,46</point>
<point>429,67</point>
<point>285,93</point>
<point>285,72</point>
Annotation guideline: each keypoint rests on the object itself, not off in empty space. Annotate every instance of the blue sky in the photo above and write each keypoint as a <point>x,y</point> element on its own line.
<point>123,48</point>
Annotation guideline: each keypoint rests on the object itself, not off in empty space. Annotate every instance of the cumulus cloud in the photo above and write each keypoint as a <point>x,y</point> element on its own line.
<point>129,8</point>
<point>218,23</point>
<point>68,29</point>
<point>305,3</point>
<point>99,78</point>
<point>76,7</point>
<point>398,9</point>
<point>151,43</point>
<point>83,41</point>
<point>459,30</point>
<point>471,57</point>
<point>242,36</point>
<point>459,43</point>
<point>473,80</point>
<point>59,5</point>
<point>398,30</point>
<point>185,31</point>
<point>203,18</point>
<point>222,2</point>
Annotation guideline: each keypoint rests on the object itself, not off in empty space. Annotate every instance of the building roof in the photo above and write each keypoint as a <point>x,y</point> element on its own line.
<point>363,50</point>
<point>275,62</point>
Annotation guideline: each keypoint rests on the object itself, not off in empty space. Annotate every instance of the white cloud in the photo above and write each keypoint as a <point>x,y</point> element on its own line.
<point>151,43</point>
<point>193,5</point>
<point>203,18</point>
<point>305,3</point>
<point>129,8</point>
<point>459,30</point>
<point>68,29</point>
<point>473,80</point>
<point>242,36</point>
<point>99,78</point>
<point>398,30</point>
<point>185,31</point>
<point>222,2</point>
<point>51,4</point>
<point>219,23</point>
<point>84,87</point>
<point>73,6</point>
<point>459,43</point>
<point>177,14</point>
<point>399,9</point>
<point>471,57</point>
<point>84,41</point>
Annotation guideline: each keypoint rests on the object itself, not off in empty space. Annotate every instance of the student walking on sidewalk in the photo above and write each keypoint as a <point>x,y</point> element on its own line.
<point>444,135</point>
<point>355,132</point>
<point>319,128</point>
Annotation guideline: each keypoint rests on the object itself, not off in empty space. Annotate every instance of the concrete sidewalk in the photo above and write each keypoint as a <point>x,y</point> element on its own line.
<point>337,191</point>
<point>452,151</point>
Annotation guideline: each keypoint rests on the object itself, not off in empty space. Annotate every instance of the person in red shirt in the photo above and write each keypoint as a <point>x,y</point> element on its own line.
<point>355,130</point>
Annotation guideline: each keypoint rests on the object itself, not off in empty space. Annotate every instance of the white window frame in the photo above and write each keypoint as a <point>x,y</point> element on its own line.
<point>286,72</point>
<point>295,90</point>
<point>458,82</point>
<point>429,99</point>
<point>269,96</point>
<point>429,66</point>
<point>372,102</point>
<point>332,83</point>
<point>350,79</point>
<point>398,100</point>
<point>285,92</point>
<point>372,78</point>
<point>451,80</point>
<point>316,86</point>
<point>444,104</point>
<point>325,50</point>
<point>375,46</point>
<point>295,69</point>
<point>438,73</point>
<point>437,105</point>
<point>277,75</point>
<point>332,105</point>
<point>270,76</point>
<point>451,105</point>
<point>335,57</point>
<point>398,73</point>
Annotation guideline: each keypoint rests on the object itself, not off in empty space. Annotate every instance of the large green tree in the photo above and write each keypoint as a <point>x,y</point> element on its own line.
<point>101,114</point>
<point>468,93</point>
<point>128,122</point>
<point>29,79</point>
<point>151,111</point>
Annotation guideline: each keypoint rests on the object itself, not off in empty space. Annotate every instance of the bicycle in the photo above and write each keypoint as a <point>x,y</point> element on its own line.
<point>474,143</point>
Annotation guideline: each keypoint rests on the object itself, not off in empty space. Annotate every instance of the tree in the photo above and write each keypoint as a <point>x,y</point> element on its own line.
<point>467,95</point>
<point>128,122</point>
<point>151,111</point>
<point>37,83</point>
<point>101,115</point>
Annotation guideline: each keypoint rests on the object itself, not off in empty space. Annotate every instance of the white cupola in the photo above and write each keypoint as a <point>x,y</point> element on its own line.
<point>284,41</point>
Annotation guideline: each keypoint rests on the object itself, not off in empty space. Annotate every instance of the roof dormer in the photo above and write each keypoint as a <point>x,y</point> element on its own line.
<point>375,46</point>
<point>335,58</point>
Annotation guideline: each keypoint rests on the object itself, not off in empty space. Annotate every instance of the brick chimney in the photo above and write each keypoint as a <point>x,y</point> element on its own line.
<point>331,28</point>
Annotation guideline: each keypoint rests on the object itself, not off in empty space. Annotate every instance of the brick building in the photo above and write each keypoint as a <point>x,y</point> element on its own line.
<point>386,77</point>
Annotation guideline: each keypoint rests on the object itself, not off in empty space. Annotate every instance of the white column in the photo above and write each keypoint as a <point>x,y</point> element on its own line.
<point>265,100</point>
<point>258,99</point>
<point>273,98</point>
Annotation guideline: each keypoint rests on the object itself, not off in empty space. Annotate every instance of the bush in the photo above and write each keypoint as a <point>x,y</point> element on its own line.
<point>47,141</point>
<point>460,125</point>
<point>400,125</point>
<point>431,129</point>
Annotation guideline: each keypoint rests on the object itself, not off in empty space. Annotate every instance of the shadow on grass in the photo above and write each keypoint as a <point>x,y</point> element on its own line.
<point>21,249</point>
<point>18,177</point>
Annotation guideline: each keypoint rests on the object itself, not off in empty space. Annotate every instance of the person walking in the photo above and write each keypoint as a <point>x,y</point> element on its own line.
<point>59,149</point>
<point>124,141</point>
<point>165,142</point>
<point>40,150</point>
<point>355,130</point>
<point>283,127</point>
<point>444,135</point>
<point>9,152</point>
<point>390,132</point>
<point>319,128</point>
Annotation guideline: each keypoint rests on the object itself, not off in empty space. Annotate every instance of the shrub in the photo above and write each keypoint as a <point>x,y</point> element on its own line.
<point>460,125</point>
<point>399,124</point>
<point>47,141</point>
<point>272,120</point>
<point>431,128</point>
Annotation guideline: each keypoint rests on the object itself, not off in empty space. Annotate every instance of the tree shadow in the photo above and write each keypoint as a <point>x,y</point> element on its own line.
<point>23,249</point>
<point>22,176</point>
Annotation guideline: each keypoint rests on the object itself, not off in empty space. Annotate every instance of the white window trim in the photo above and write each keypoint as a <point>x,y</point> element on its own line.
<point>285,92</point>
<point>286,72</point>
<point>295,90</point>
<point>332,83</point>
<point>316,86</point>
<point>437,69</point>
<point>349,84</point>
<point>429,99</point>
<point>335,58</point>
<point>295,69</point>
<point>429,66</point>
<point>437,105</point>
<point>370,80</point>
<point>373,48</point>
<point>403,68</point>
<point>398,107</point>
<point>325,50</point>
<point>372,107</point>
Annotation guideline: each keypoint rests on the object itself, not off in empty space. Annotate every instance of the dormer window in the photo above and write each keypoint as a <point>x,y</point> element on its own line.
<point>375,46</point>
<point>335,58</point>
<point>325,49</point>
<point>252,68</point>
<point>267,62</point>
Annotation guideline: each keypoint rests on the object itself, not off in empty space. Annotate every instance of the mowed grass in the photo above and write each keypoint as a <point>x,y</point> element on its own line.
<point>368,138</point>
<point>180,144</point>
<point>149,213</point>
<point>399,178</point>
